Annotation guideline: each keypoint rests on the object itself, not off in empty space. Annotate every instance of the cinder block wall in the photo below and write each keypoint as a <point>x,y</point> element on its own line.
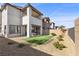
<point>77,36</point>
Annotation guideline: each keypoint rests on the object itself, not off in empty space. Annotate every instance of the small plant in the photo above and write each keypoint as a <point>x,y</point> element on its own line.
<point>21,45</point>
<point>10,43</point>
<point>53,34</point>
<point>63,30</point>
<point>60,38</point>
<point>63,46</point>
<point>59,46</point>
<point>56,44</point>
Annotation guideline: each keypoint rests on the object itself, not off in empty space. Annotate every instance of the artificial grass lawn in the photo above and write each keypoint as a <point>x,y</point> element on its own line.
<point>39,39</point>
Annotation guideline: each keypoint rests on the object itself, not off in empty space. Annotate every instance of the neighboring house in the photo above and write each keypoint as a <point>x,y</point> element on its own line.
<point>52,25</point>
<point>20,21</point>
<point>47,25</point>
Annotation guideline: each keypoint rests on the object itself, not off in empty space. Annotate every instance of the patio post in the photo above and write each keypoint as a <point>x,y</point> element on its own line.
<point>29,27</point>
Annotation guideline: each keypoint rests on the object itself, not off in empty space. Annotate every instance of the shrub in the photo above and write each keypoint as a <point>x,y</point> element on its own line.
<point>63,30</point>
<point>60,38</point>
<point>10,43</point>
<point>59,46</point>
<point>53,34</point>
<point>21,45</point>
<point>63,46</point>
<point>56,44</point>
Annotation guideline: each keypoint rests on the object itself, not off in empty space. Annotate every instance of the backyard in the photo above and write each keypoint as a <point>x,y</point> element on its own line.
<point>41,45</point>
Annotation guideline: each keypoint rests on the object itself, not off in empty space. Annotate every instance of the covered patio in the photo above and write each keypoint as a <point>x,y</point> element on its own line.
<point>35,30</point>
<point>17,30</point>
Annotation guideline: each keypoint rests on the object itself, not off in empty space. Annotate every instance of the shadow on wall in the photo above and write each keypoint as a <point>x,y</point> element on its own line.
<point>13,50</point>
<point>71,33</point>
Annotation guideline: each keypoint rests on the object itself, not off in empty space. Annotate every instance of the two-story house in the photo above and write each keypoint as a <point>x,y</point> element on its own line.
<point>20,21</point>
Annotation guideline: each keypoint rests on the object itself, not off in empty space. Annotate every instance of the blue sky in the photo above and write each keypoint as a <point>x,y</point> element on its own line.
<point>61,13</point>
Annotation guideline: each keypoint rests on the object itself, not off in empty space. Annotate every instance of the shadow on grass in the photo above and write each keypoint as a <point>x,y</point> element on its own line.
<point>13,50</point>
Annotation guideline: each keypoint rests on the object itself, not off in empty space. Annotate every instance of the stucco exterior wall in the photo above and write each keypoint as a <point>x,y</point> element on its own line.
<point>36,21</point>
<point>4,19</point>
<point>0,17</point>
<point>24,20</point>
<point>33,20</point>
<point>45,31</point>
<point>14,16</point>
<point>10,16</point>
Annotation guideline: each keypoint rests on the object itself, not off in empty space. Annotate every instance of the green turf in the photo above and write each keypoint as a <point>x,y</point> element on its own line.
<point>39,39</point>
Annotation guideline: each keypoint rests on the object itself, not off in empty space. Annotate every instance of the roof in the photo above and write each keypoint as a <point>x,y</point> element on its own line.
<point>4,5</point>
<point>52,22</point>
<point>46,18</point>
<point>29,5</point>
<point>20,8</point>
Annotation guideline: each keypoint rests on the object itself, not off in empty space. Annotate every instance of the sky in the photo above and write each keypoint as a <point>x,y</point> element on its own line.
<point>61,13</point>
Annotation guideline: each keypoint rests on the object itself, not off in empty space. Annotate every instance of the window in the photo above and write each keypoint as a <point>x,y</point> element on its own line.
<point>33,29</point>
<point>18,29</point>
<point>0,28</point>
<point>5,29</point>
<point>12,29</point>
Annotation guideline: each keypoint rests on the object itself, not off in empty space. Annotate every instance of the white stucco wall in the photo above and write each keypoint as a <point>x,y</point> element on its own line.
<point>4,19</point>
<point>10,16</point>
<point>24,20</point>
<point>14,16</point>
<point>36,21</point>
